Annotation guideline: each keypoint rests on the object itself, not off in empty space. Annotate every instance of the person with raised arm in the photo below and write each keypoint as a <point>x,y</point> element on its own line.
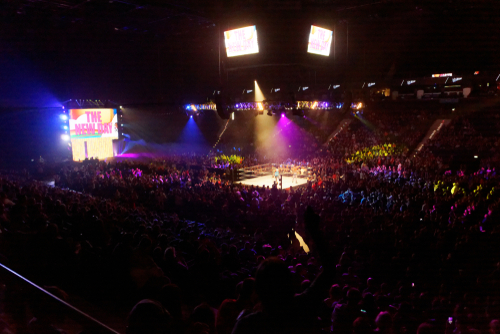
<point>283,311</point>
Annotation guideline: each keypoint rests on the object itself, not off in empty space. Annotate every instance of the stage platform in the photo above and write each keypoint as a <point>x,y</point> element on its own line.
<point>268,181</point>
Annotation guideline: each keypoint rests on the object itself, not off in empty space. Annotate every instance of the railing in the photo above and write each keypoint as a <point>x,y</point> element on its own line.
<point>254,171</point>
<point>269,168</point>
<point>286,170</point>
<point>90,323</point>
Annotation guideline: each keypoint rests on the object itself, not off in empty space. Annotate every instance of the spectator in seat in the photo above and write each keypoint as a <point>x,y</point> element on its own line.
<point>344,315</point>
<point>495,327</point>
<point>247,253</point>
<point>362,325</point>
<point>173,268</point>
<point>384,323</point>
<point>350,278</point>
<point>204,314</point>
<point>148,316</point>
<point>170,298</point>
<point>426,328</point>
<point>335,295</point>
<point>231,309</point>
<point>371,286</point>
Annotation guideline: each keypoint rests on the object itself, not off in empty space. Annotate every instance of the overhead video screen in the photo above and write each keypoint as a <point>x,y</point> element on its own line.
<point>242,41</point>
<point>320,40</point>
<point>93,123</point>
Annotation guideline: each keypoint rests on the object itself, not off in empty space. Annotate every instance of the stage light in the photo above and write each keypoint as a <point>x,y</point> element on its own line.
<point>191,116</point>
<point>65,127</point>
<point>121,107</point>
<point>63,117</point>
<point>282,114</point>
<point>232,116</point>
<point>65,137</point>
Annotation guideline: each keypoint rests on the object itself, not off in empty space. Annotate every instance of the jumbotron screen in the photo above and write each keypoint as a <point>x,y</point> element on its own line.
<point>320,40</point>
<point>242,41</point>
<point>93,123</point>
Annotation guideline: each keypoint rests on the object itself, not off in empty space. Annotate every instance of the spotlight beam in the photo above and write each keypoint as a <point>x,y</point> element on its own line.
<point>259,96</point>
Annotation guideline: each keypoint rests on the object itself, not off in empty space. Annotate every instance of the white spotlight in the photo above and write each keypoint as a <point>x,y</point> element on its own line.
<point>63,117</point>
<point>259,96</point>
<point>65,137</point>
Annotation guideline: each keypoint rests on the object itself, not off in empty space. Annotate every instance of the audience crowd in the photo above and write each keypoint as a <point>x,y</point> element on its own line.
<point>392,242</point>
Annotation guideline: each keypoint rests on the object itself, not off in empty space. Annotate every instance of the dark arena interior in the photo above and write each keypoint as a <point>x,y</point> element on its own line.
<point>230,166</point>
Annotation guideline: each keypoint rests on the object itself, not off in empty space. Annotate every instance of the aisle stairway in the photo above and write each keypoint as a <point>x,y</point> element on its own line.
<point>433,130</point>
<point>342,125</point>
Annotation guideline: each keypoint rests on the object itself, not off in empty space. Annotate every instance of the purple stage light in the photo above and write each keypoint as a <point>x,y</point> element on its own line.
<point>282,115</point>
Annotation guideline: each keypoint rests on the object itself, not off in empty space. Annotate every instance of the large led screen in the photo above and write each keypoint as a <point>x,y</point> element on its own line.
<point>241,41</point>
<point>93,123</point>
<point>320,40</point>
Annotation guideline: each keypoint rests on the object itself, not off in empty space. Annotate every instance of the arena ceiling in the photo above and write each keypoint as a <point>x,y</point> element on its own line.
<point>168,50</point>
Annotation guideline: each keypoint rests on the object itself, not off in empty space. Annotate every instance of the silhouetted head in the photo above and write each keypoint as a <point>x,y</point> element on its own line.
<point>247,288</point>
<point>274,283</point>
<point>148,316</point>
<point>383,321</point>
<point>353,296</point>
